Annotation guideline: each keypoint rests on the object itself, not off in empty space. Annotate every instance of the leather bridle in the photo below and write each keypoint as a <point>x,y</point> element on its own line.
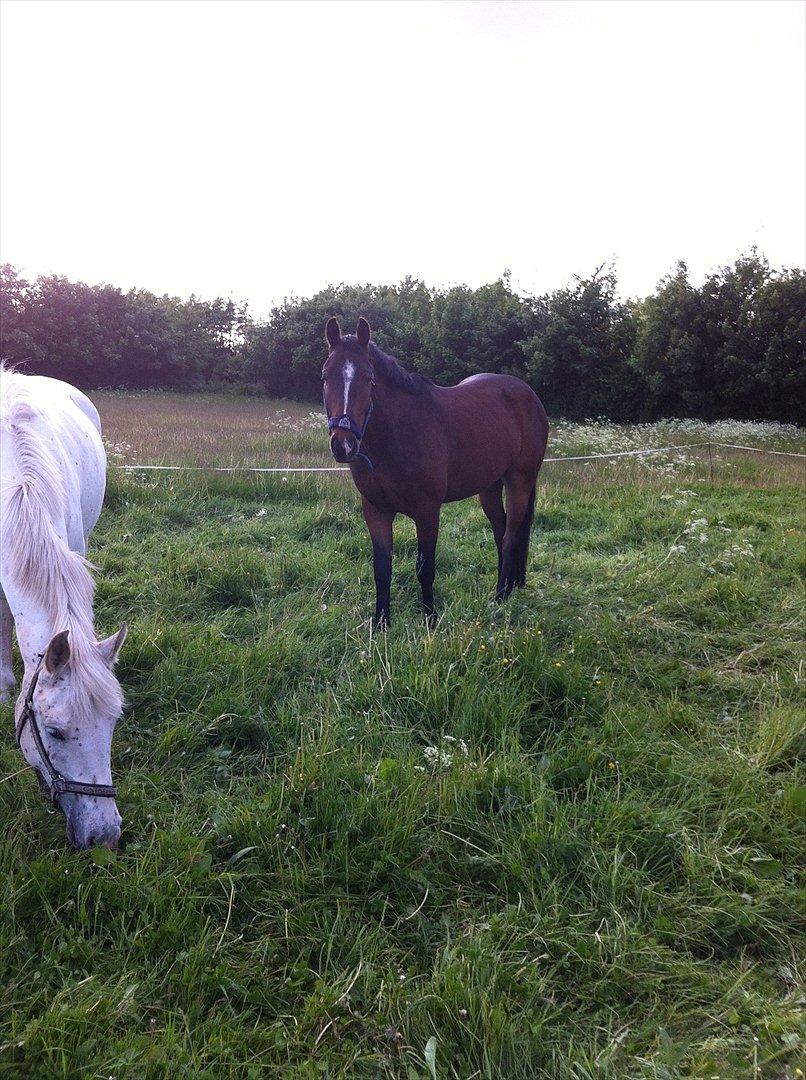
<point>346,422</point>
<point>59,784</point>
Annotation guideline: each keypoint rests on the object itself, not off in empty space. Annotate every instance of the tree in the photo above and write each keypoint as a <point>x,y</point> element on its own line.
<point>733,348</point>
<point>285,355</point>
<point>99,336</point>
<point>579,358</point>
<point>16,296</point>
<point>473,330</point>
<point>779,317</point>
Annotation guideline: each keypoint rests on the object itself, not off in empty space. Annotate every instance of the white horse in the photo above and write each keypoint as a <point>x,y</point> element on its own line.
<point>52,481</point>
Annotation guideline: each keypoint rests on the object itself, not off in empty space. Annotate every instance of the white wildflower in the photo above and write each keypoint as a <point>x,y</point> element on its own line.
<point>450,751</point>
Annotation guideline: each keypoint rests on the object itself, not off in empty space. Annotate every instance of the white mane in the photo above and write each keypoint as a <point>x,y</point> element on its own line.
<point>55,578</point>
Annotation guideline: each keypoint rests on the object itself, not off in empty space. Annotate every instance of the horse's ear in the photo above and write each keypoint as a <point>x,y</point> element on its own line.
<point>110,647</point>
<point>362,332</point>
<point>333,332</point>
<point>57,654</point>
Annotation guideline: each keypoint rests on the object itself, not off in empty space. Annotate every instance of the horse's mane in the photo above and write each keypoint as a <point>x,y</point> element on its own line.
<point>388,369</point>
<point>42,565</point>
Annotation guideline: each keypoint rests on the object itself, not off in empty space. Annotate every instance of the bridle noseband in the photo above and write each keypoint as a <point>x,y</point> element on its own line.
<point>347,423</point>
<point>59,784</point>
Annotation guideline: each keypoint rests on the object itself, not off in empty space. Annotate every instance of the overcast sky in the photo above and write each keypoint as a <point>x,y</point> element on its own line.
<point>262,149</point>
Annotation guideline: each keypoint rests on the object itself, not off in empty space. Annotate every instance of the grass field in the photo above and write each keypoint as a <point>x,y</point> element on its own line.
<point>562,837</point>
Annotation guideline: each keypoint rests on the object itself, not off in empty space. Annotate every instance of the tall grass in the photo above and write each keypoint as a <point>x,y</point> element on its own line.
<point>560,837</point>
<point>219,429</point>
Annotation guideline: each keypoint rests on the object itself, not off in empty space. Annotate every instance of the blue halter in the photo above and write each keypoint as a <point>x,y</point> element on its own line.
<point>348,424</point>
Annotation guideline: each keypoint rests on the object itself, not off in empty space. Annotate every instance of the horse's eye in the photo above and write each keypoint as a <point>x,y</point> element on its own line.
<point>56,734</point>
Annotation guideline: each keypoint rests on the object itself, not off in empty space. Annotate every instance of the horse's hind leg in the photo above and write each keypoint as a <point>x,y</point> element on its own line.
<point>7,680</point>
<point>515,547</point>
<point>493,506</point>
<point>427,525</point>
<point>524,535</point>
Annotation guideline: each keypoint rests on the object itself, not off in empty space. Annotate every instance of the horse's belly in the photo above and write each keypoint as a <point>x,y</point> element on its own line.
<point>474,469</point>
<point>456,492</point>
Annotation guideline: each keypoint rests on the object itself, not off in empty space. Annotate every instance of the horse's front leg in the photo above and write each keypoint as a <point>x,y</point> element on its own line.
<point>379,523</point>
<point>427,525</point>
<point>7,680</point>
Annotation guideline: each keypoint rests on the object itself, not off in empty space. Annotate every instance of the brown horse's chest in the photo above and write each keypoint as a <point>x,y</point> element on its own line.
<point>399,494</point>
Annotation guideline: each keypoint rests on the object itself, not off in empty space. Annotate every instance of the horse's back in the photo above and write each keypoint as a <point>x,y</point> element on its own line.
<point>55,396</point>
<point>62,427</point>
<point>509,387</point>
<point>80,400</point>
<point>494,399</point>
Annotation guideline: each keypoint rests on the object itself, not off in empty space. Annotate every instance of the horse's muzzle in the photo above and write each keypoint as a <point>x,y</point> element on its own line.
<point>344,447</point>
<point>85,832</point>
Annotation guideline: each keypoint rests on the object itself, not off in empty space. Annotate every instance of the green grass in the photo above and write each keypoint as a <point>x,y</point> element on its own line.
<point>605,884</point>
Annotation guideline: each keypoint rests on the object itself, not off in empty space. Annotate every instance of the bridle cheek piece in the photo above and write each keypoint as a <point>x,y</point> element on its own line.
<point>59,784</point>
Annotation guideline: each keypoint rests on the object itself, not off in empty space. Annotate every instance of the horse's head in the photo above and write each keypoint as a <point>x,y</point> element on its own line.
<point>66,715</point>
<point>348,380</point>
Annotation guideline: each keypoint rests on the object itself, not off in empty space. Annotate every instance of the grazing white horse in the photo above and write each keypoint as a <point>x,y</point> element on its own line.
<point>52,481</point>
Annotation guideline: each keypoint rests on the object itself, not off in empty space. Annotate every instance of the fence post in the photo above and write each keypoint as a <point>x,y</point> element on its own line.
<point>710,463</point>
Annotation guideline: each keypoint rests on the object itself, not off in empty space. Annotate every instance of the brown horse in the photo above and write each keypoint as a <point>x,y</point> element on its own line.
<point>413,446</point>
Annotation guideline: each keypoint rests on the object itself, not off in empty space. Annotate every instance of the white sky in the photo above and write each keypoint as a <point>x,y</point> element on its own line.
<point>260,149</point>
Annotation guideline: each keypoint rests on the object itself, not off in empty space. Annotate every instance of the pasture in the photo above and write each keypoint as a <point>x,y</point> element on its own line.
<point>559,837</point>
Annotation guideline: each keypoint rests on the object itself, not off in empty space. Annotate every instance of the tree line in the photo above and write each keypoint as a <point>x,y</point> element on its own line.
<point>733,347</point>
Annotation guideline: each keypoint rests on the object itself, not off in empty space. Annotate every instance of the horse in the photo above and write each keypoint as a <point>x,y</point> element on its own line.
<point>412,445</point>
<point>52,481</point>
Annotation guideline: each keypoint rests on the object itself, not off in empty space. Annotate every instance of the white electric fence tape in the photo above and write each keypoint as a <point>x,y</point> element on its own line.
<point>345,468</point>
<point>758,450</point>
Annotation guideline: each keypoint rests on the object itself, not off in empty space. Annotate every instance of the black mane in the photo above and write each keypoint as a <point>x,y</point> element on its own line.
<point>388,369</point>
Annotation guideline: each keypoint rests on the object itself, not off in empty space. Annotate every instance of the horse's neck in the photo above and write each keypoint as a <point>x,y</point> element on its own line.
<point>42,528</point>
<point>395,416</point>
<point>47,586</point>
<point>33,623</point>
<point>37,619</point>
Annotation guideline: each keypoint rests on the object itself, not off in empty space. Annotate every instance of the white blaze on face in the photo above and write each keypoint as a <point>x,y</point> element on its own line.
<point>349,372</point>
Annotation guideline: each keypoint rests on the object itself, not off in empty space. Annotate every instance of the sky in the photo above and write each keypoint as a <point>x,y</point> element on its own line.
<point>261,150</point>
